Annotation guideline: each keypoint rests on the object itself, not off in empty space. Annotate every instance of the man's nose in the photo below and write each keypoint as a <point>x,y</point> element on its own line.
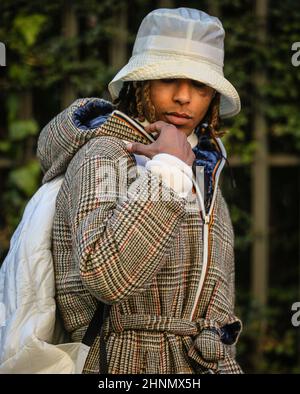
<point>182,92</point>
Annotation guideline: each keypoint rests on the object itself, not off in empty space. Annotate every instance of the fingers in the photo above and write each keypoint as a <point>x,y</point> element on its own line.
<point>140,149</point>
<point>157,126</point>
<point>170,140</point>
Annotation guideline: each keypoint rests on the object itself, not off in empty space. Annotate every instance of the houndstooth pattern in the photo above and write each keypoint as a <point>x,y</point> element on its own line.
<point>144,257</point>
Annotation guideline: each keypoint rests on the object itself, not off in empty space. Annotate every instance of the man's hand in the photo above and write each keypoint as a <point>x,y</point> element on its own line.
<point>170,140</point>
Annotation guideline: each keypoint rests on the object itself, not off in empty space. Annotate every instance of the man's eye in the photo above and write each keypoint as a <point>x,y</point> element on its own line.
<point>199,85</point>
<point>168,80</point>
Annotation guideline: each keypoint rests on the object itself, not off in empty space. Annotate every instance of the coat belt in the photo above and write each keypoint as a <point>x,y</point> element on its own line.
<point>177,326</point>
<point>207,348</point>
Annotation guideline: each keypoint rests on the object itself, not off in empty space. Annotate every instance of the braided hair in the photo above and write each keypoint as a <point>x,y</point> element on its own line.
<point>134,99</point>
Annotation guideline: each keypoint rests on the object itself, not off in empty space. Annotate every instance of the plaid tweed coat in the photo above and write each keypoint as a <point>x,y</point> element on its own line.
<point>142,255</point>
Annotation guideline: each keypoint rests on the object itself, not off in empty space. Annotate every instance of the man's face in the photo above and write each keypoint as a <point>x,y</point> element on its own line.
<point>181,102</point>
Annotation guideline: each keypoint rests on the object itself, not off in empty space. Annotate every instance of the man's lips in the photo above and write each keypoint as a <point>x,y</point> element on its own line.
<point>179,115</point>
<point>177,119</point>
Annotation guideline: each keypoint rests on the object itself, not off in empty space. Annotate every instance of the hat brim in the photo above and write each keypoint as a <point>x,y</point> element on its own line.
<point>156,67</point>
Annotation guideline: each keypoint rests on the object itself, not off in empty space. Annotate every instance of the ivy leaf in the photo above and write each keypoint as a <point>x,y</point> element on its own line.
<point>26,178</point>
<point>5,146</point>
<point>29,26</point>
<point>20,129</point>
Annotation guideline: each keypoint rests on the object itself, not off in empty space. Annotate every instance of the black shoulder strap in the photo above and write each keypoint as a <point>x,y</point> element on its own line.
<point>95,328</point>
<point>95,325</point>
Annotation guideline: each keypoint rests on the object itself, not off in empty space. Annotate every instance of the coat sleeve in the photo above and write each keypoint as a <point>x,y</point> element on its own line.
<point>119,238</point>
<point>234,325</point>
<point>222,303</point>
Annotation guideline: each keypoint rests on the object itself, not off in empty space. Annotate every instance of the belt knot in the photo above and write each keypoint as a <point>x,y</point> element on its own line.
<point>209,340</point>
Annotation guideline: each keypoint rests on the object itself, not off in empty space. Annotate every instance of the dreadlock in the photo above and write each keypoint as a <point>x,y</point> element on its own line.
<point>134,99</point>
<point>211,121</point>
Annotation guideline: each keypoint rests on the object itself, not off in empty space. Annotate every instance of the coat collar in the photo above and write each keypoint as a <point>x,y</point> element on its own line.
<point>125,128</point>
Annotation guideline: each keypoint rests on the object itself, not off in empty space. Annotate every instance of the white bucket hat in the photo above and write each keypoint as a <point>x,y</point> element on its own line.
<point>180,43</point>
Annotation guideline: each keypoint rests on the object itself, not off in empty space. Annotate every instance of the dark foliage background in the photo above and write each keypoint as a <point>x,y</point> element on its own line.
<point>43,64</point>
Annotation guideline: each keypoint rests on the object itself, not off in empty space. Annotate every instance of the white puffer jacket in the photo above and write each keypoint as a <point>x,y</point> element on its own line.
<point>28,326</point>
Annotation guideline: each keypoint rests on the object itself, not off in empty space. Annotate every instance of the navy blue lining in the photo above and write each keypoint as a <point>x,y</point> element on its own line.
<point>230,332</point>
<point>206,156</point>
<point>92,115</point>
